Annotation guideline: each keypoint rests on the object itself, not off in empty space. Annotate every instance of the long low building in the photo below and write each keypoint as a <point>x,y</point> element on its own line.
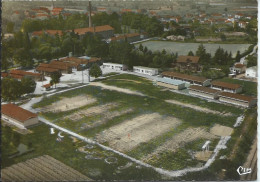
<point>170,83</point>
<point>193,80</point>
<point>226,87</point>
<point>115,66</point>
<point>18,116</point>
<point>237,99</point>
<point>203,92</point>
<point>145,70</point>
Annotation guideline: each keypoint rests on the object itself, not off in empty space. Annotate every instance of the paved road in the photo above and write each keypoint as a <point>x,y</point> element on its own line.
<point>243,59</point>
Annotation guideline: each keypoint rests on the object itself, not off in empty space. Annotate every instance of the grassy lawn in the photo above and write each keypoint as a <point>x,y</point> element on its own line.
<point>249,88</point>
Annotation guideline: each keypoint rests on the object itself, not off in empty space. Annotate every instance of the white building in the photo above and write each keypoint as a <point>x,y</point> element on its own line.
<point>115,66</point>
<point>170,83</point>
<point>145,70</point>
<point>251,72</point>
<point>237,99</point>
<point>18,116</point>
<point>205,92</point>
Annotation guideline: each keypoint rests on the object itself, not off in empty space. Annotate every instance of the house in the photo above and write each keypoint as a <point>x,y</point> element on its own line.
<point>193,80</point>
<point>238,68</point>
<point>106,31</point>
<point>251,72</point>
<point>19,74</point>
<point>190,63</point>
<point>115,66</point>
<point>48,32</point>
<point>204,92</point>
<point>145,70</point>
<point>18,116</point>
<point>76,63</point>
<point>242,24</point>
<point>237,99</point>
<point>226,87</point>
<point>170,83</point>
<point>46,69</point>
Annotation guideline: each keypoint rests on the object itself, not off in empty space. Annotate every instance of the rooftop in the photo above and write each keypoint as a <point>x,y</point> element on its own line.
<point>17,112</point>
<point>225,85</point>
<point>82,31</point>
<point>184,59</point>
<point>184,76</point>
<point>147,68</point>
<point>170,81</point>
<point>203,89</point>
<point>237,96</point>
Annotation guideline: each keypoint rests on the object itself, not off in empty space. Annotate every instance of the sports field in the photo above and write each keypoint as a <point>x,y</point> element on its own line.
<point>131,115</point>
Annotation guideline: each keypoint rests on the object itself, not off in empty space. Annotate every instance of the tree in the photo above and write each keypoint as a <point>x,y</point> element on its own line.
<point>55,77</point>
<point>11,89</point>
<point>28,85</point>
<point>141,48</point>
<point>252,61</point>
<point>95,71</point>
<point>190,53</point>
<point>238,56</point>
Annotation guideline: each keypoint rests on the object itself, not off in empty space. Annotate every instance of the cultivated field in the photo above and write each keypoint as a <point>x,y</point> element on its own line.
<point>131,115</point>
<point>184,48</point>
<point>43,168</point>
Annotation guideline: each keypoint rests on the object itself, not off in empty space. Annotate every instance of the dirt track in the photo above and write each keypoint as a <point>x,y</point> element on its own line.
<point>198,108</point>
<point>129,134</point>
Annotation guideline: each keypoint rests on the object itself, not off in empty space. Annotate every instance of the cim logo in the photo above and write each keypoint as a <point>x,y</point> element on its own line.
<point>243,171</point>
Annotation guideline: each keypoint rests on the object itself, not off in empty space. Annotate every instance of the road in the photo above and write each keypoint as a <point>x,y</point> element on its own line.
<point>242,60</point>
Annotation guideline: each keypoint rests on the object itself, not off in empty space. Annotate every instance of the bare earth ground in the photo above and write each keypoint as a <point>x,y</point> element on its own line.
<point>124,90</point>
<point>188,135</point>
<point>129,134</point>
<point>106,117</point>
<point>203,155</point>
<point>96,110</point>
<point>67,104</point>
<point>220,130</point>
<point>198,108</point>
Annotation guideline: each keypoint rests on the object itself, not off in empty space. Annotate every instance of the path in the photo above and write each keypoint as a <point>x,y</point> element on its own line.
<point>221,145</point>
<point>118,89</point>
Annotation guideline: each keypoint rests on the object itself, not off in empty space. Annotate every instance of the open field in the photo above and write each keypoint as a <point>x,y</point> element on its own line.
<point>130,115</point>
<point>184,48</point>
<point>129,134</point>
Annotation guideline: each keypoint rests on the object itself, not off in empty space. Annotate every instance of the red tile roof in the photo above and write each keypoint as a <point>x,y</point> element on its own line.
<point>203,89</point>
<point>239,66</point>
<point>50,32</point>
<point>237,96</point>
<point>4,74</point>
<point>17,112</point>
<point>225,85</point>
<point>184,76</point>
<point>103,28</point>
<point>186,59</point>
<point>24,73</point>
<point>47,85</point>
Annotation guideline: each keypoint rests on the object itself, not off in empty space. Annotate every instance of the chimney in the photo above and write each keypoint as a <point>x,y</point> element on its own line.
<point>89,14</point>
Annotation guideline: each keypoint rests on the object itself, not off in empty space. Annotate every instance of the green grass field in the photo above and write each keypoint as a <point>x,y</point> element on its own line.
<point>154,101</point>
